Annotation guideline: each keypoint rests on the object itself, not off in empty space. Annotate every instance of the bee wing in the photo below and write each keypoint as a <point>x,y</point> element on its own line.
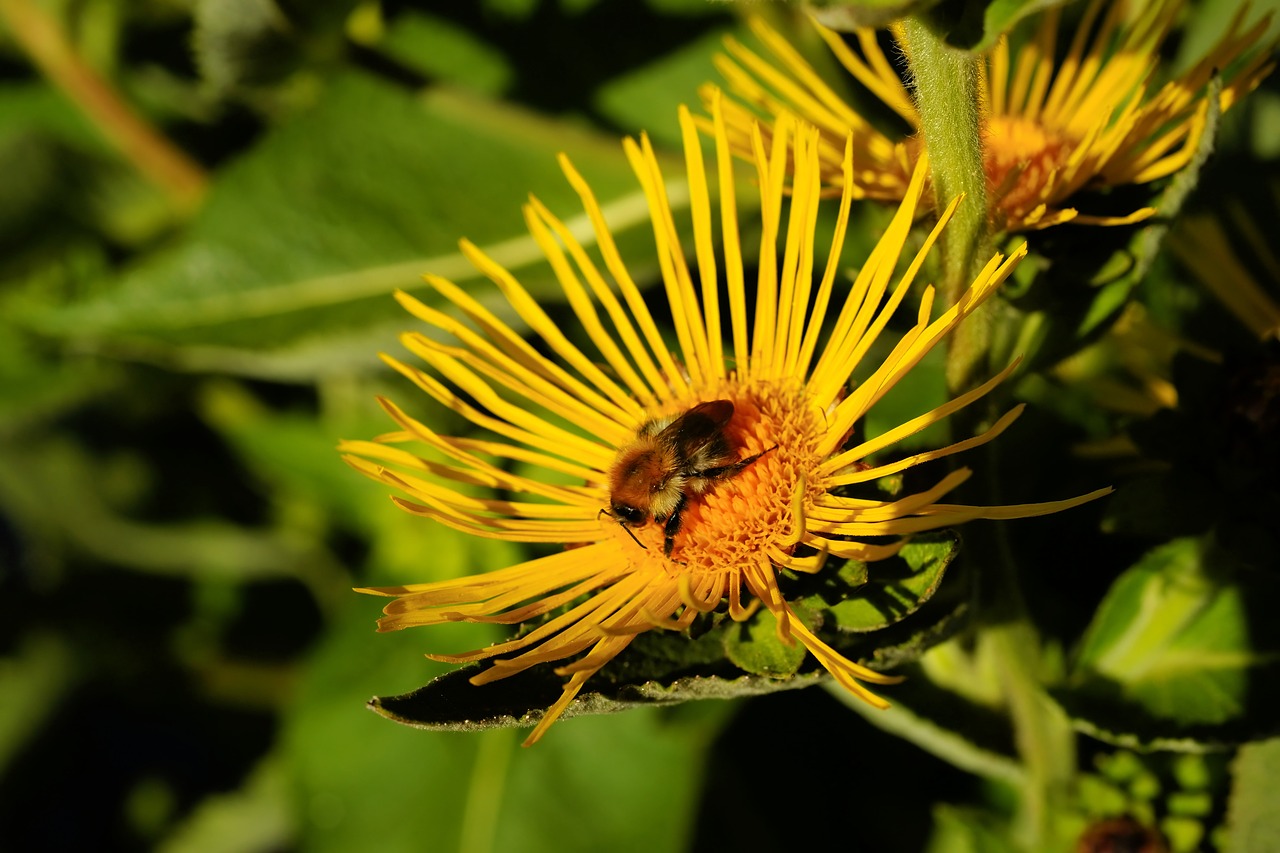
<point>719,411</point>
<point>698,427</point>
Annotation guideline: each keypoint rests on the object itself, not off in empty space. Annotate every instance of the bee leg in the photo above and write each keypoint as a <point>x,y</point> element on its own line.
<point>724,472</point>
<point>672,527</point>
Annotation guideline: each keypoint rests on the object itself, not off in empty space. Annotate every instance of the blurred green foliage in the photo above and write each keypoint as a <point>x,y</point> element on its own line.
<point>182,665</point>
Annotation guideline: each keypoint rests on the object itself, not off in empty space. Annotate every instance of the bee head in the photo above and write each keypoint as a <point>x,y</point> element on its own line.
<point>628,514</point>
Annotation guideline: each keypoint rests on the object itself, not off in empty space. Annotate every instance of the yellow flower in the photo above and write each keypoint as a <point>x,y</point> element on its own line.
<point>1052,128</point>
<point>784,364</point>
<point>1128,371</point>
<point>1204,246</point>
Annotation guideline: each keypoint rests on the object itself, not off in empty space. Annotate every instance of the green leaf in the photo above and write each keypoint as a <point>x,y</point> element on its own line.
<point>288,269</point>
<point>33,681</point>
<point>1000,17</point>
<point>860,599</point>
<point>32,165</point>
<point>718,660</point>
<point>61,176</point>
<point>260,815</point>
<point>293,454</point>
<point>321,17</point>
<point>34,389</point>
<point>921,390</point>
<point>967,830</point>
<point>754,646</point>
<point>847,16</point>
<point>1088,275</point>
<point>647,98</point>
<point>626,783</point>
<point>1253,823</point>
<point>1149,239</point>
<point>1182,653</point>
<point>32,108</point>
<point>447,52</point>
<point>451,703</point>
<point>973,27</point>
<point>39,481</point>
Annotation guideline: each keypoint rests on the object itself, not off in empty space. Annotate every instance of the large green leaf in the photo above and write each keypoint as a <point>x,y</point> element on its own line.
<point>625,784</point>
<point>719,659</point>
<point>287,271</point>
<point>451,703</point>
<point>1182,653</point>
<point>1253,822</point>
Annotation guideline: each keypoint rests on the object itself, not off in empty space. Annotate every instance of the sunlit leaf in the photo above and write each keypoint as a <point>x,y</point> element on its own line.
<point>1182,650</point>
<point>862,598</point>
<point>288,270</point>
<point>755,647</point>
<point>1253,823</point>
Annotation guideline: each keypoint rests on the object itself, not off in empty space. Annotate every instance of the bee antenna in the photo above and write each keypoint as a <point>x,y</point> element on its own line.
<point>630,532</point>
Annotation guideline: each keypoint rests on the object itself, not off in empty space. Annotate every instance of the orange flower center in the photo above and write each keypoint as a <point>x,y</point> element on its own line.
<point>736,518</point>
<point>1021,159</point>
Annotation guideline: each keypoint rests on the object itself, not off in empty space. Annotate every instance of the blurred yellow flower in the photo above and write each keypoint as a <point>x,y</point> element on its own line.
<point>783,364</point>
<point>1052,127</point>
<point>1128,370</point>
<point>1206,246</point>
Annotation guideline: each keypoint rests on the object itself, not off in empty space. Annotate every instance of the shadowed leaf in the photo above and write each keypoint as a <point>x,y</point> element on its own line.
<point>720,659</point>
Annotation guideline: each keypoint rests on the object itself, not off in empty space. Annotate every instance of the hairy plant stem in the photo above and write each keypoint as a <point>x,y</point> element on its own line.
<point>155,157</point>
<point>945,83</point>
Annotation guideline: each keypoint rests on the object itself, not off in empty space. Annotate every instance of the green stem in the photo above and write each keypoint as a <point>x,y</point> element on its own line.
<point>945,82</point>
<point>1043,734</point>
<point>484,794</point>
<point>947,98</point>
<point>154,156</point>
